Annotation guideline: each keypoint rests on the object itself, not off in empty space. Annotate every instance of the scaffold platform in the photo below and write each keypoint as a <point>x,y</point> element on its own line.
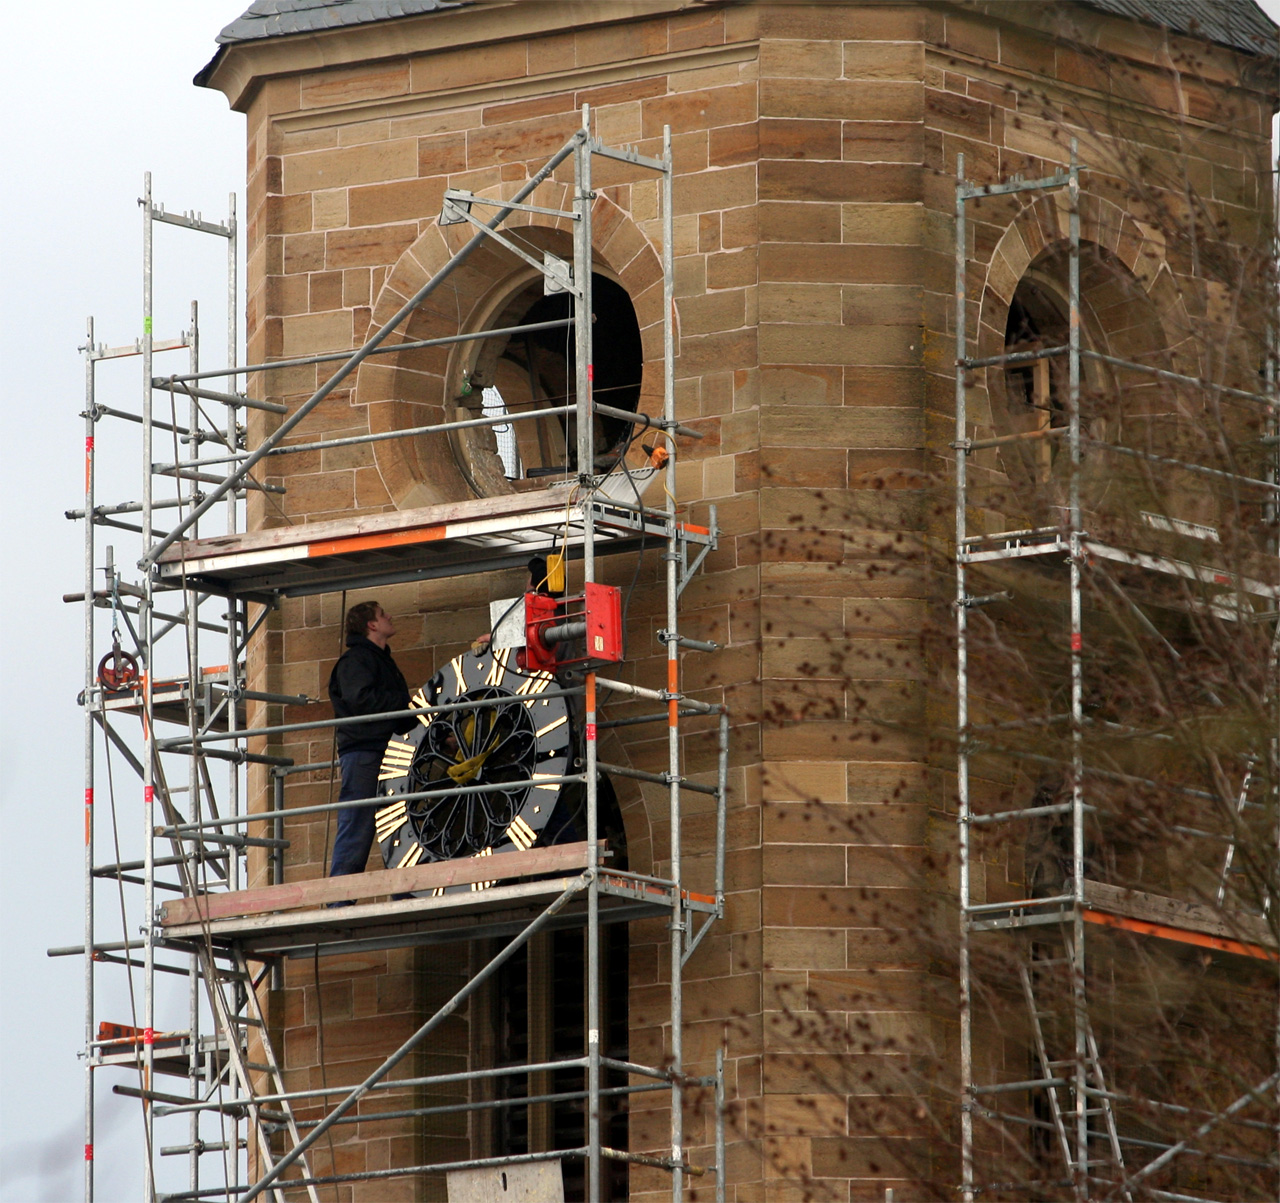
<point>479,535</point>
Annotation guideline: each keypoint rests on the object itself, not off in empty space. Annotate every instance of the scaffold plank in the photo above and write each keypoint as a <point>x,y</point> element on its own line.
<point>453,538</point>
<point>323,890</point>
<point>1177,920</point>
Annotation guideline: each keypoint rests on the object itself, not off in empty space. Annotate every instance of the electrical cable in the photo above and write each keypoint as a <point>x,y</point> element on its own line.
<point>315,960</point>
<point>143,1084</point>
<point>333,745</point>
<point>321,1055</point>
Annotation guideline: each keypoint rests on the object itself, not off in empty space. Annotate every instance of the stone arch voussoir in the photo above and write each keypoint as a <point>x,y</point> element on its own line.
<point>411,389</point>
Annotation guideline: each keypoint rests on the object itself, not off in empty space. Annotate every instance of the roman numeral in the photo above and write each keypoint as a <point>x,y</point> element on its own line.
<point>535,684</point>
<point>412,857</point>
<point>521,834</point>
<point>499,667</point>
<point>388,819</point>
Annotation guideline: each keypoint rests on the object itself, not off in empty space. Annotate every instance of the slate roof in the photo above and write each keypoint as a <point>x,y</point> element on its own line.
<point>1240,24</point>
<point>279,18</point>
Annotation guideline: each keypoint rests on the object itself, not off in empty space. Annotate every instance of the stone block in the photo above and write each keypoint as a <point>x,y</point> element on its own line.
<point>690,30</point>
<point>851,264</point>
<point>309,334</point>
<point>367,246</point>
<point>798,138</point>
<point>882,304</point>
<point>732,269</point>
<point>874,182</point>
<point>729,145</point>
<point>518,143</point>
<point>842,99</point>
<point>700,109</point>
<point>403,201</point>
<point>464,68</point>
<point>883,142</point>
<point>329,209</point>
<point>839,344</point>
<point>884,60</point>
<point>817,304</point>
<point>856,22</point>
<point>373,163</point>
<point>806,221</point>
<point>806,58</point>
<point>713,312</point>
<point>303,253</point>
<point>723,188</point>
<point>620,43</point>
<point>370,81</point>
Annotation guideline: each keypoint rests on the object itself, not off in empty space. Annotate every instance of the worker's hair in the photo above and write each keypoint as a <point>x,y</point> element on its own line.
<point>359,617</point>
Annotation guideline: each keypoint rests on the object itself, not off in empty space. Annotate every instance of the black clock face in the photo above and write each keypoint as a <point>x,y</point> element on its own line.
<point>519,736</point>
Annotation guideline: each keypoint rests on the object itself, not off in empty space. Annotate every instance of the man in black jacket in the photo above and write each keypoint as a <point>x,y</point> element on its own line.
<point>365,680</point>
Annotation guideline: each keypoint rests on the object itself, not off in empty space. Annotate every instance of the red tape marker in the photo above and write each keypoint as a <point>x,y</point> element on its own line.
<point>148,1035</point>
<point>591,731</point>
<point>88,1152</point>
<point>149,794</point>
<point>1077,642</point>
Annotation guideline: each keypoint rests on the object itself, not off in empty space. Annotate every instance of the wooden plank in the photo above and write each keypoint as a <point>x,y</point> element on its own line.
<point>323,890</point>
<point>1177,915</point>
<point>1179,935</point>
<point>280,537</point>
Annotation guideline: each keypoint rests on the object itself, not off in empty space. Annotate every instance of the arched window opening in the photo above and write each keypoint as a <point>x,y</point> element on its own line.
<point>1037,388</point>
<point>538,1008</point>
<point>514,374</point>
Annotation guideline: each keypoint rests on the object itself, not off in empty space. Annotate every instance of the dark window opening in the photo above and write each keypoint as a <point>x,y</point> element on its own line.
<point>539,1012</point>
<point>1037,389</point>
<point>535,370</point>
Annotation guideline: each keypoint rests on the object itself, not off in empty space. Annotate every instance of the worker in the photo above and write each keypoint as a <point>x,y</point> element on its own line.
<point>365,680</point>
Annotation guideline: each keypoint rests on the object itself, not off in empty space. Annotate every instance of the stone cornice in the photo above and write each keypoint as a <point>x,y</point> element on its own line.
<point>517,89</point>
<point>240,68</point>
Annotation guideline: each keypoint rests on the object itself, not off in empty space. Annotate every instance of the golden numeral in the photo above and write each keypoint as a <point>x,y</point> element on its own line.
<point>551,726</point>
<point>535,684</point>
<point>419,700</point>
<point>521,834</point>
<point>499,666</point>
<point>555,785</point>
<point>456,665</point>
<point>412,857</point>
<point>389,818</point>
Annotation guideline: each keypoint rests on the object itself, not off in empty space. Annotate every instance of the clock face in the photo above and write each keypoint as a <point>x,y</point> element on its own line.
<point>519,736</point>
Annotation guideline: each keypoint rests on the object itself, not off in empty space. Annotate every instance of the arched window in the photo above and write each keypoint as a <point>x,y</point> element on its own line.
<point>537,1005</point>
<point>518,373</point>
<point>1037,389</point>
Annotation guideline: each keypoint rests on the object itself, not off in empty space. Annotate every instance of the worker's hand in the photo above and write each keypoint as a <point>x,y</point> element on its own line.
<point>481,643</point>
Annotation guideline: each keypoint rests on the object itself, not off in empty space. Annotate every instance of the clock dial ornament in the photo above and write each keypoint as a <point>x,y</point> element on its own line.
<point>513,734</point>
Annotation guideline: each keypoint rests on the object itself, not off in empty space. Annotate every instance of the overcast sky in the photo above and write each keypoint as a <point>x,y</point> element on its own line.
<point>94,93</point>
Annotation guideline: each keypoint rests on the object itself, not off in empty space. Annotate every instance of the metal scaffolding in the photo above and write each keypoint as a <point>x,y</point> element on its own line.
<point>1070,1101</point>
<point>225,942</point>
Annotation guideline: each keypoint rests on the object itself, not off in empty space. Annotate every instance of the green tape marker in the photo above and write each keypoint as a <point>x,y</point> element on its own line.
<point>146,325</point>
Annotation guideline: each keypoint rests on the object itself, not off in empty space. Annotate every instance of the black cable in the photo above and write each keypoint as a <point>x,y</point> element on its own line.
<point>333,746</point>
<point>320,1053</point>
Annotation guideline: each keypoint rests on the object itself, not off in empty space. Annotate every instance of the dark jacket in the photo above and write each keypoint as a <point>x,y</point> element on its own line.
<point>366,681</point>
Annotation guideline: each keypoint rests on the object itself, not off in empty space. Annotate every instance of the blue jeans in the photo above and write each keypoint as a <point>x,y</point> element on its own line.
<point>355,826</point>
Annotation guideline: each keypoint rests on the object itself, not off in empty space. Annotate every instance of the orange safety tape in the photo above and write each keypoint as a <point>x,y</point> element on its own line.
<point>349,543</point>
<point>1179,934</point>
